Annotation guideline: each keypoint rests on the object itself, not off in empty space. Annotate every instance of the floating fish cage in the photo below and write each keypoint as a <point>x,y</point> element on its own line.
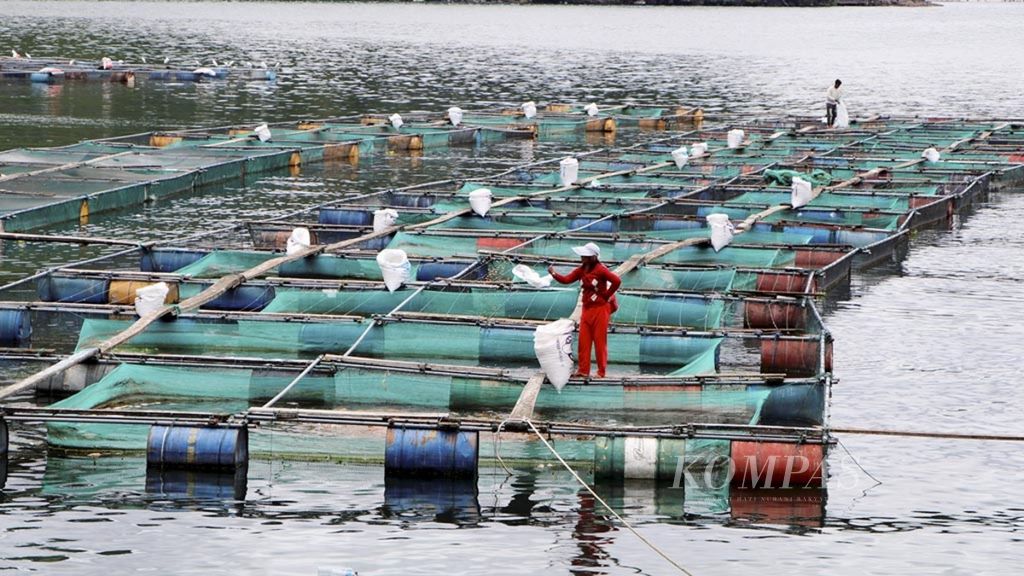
<point>300,341</point>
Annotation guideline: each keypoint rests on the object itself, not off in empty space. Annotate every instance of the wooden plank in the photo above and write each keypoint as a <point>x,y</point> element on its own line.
<point>523,409</point>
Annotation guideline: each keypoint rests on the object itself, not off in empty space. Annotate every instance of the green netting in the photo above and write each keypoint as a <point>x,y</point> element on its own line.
<point>223,262</point>
<point>434,341</point>
<point>428,245</point>
<point>649,278</point>
<point>824,200</point>
<point>232,390</point>
<point>545,305</point>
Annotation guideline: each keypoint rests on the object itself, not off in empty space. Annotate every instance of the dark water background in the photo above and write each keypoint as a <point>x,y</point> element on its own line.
<point>931,343</point>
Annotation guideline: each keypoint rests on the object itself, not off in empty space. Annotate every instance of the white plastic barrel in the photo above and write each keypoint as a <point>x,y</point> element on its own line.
<point>699,149</point>
<point>394,267</point>
<point>531,277</point>
<point>262,132</point>
<point>802,193</point>
<point>931,155</point>
<point>591,109</point>
<point>298,241</point>
<point>552,343</point>
<point>568,171</point>
<point>680,157</point>
<point>735,138</point>
<point>396,120</point>
<point>455,115</point>
<point>480,201</point>
<point>529,109</point>
<point>384,218</point>
<point>721,230</point>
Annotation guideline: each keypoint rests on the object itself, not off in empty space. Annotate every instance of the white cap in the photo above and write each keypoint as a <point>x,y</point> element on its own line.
<point>588,249</point>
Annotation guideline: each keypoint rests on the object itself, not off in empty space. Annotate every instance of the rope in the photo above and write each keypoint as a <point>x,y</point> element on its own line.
<point>628,526</point>
<point>913,434</point>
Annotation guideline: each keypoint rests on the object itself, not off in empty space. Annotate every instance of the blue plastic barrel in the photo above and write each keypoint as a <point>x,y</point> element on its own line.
<point>15,327</point>
<point>346,216</point>
<point>44,77</point>
<point>430,271</point>
<point>168,259</point>
<point>426,451</point>
<point>77,290</point>
<point>198,484</point>
<point>794,405</point>
<point>246,298</point>
<point>198,447</point>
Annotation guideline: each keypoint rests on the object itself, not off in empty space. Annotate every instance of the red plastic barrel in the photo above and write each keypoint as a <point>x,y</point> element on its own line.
<point>793,357</point>
<point>784,282</point>
<point>816,258</point>
<point>780,315</point>
<point>777,465</point>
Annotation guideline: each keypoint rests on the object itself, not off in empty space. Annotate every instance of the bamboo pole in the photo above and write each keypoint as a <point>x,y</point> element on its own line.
<point>69,239</point>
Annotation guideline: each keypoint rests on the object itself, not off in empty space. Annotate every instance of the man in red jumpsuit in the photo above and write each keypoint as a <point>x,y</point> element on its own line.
<point>598,285</point>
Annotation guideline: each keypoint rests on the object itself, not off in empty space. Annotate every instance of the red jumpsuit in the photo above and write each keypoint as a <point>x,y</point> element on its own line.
<point>598,285</point>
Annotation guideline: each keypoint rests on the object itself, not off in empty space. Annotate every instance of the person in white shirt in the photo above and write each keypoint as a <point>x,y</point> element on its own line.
<point>832,96</point>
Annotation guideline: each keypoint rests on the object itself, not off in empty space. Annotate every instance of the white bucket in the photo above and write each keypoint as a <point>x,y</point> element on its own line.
<point>529,109</point>
<point>802,193</point>
<point>480,201</point>
<point>149,299</point>
<point>931,155</point>
<point>455,115</point>
<point>699,149</point>
<point>394,267</point>
<point>262,132</point>
<point>396,120</point>
<point>298,241</point>
<point>680,157</point>
<point>591,109</point>
<point>735,138</point>
<point>531,277</point>
<point>384,218</point>
<point>721,230</point>
<point>568,171</point>
<point>552,343</point>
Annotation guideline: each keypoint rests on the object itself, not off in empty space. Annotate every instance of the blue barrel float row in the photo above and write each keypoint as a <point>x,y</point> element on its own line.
<point>15,327</point>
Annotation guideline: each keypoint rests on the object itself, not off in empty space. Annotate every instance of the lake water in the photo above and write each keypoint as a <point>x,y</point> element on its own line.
<point>929,344</point>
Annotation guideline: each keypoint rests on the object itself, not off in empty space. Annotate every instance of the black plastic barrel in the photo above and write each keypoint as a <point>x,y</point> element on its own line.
<point>197,447</point>
<point>15,327</point>
<point>428,451</point>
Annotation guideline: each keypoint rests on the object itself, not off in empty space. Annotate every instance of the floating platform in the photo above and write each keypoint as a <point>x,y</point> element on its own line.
<point>717,350</point>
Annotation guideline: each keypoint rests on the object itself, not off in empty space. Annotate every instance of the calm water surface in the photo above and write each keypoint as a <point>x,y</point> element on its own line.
<point>931,343</point>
